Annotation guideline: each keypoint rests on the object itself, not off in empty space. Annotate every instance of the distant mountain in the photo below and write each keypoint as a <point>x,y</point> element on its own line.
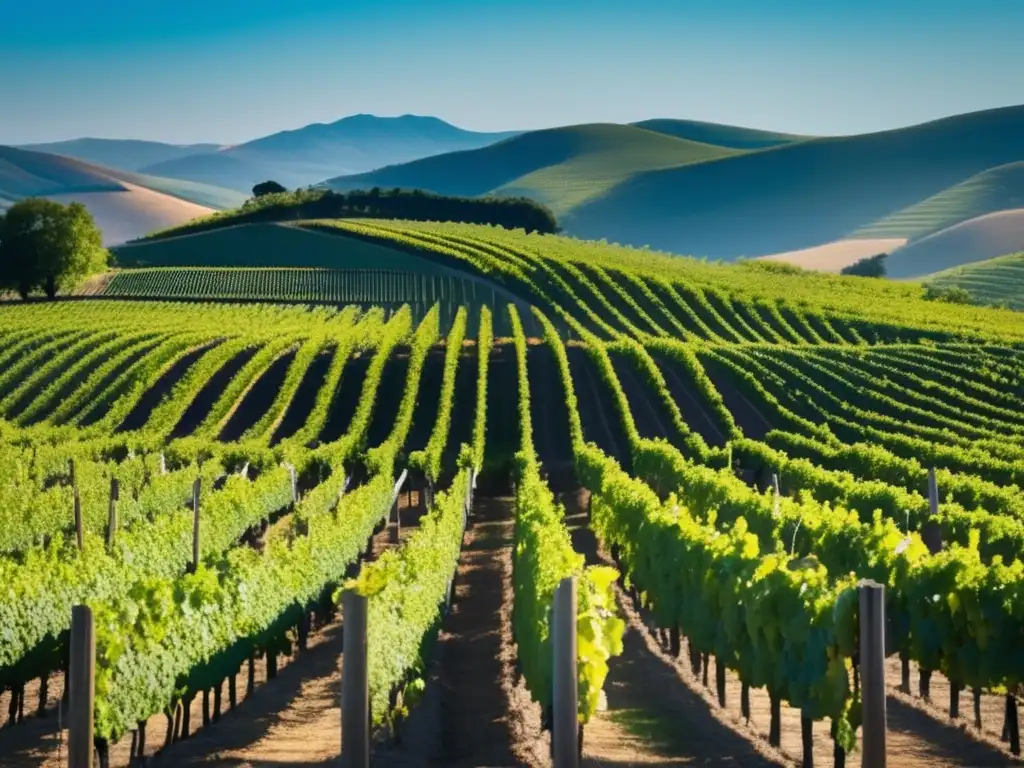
<point>125,205</point>
<point>731,136</point>
<point>308,155</point>
<point>122,154</point>
<point>562,168</point>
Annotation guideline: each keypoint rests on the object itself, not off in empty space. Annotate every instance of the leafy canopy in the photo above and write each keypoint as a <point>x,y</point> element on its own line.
<point>49,246</point>
<point>267,188</point>
<point>872,266</point>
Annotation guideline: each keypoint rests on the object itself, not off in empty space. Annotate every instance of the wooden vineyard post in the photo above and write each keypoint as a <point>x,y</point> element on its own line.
<point>115,495</point>
<point>163,464</point>
<point>396,532</point>
<point>195,526</point>
<point>565,722</point>
<point>872,671</point>
<point>931,533</point>
<point>778,494</point>
<point>77,506</point>
<point>81,684</point>
<point>355,687</point>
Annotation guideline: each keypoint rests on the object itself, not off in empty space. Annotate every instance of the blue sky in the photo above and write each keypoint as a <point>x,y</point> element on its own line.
<point>231,70</point>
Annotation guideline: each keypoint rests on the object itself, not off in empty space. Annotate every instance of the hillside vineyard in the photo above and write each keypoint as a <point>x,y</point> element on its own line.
<point>754,442</point>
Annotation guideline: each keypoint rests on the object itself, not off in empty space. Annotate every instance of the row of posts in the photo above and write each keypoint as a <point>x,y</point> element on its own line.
<point>355,704</point>
<point>355,698</point>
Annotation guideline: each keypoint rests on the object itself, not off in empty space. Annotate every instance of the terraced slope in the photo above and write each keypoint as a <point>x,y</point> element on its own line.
<point>994,189</point>
<point>998,281</point>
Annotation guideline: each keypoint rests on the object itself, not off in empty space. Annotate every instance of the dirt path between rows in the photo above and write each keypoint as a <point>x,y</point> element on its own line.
<point>475,711</point>
<point>476,729</point>
<point>653,716</point>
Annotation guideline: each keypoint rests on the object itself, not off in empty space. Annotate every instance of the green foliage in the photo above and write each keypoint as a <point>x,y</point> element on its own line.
<point>542,557</point>
<point>484,343</point>
<point>951,295</point>
<point>407,588</point>
<point>429,460</point>
<point>265,188</point>
<point>997,282</point>
<point>48,246</point>
<point>412,205</point>
<point>870,266</point>
<point>854,390</point>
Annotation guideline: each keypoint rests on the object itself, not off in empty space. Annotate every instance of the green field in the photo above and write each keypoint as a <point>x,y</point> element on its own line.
<point>998,281</point>
<point>660,399</point>
<point>717,134</point>
<point>265,245</point>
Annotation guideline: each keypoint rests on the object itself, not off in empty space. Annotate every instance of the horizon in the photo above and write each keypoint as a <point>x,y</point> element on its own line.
<point>226,145</point>
<point>796,67</point>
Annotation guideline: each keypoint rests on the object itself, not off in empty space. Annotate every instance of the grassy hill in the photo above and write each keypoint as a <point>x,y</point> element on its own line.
<point>998,281</point>
<point>800,195</point>
<point>278,262</point>
<point>977,239</point>
<point>125,205</point>
<point>123,154</point>
<point>562,168</point>
<point>732,136</point>
<point>260,245</point>
<point>636,186</point>
<point>996,189</point>
<point>315,152</point>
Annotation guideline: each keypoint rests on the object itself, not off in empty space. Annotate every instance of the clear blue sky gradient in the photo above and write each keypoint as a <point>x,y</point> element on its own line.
<point>231,70</point>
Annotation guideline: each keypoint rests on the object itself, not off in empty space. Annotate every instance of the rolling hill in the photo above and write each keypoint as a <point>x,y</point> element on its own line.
<point>732,136</point>
<point>996,189</point>
<point>308,155</point>
<point>799,195</point>
<point>562,168</point>
<point>125,205</point>
<point>122,154</point>
<point>622,184</point>
<point>998,281</point>
<point>977,239</point>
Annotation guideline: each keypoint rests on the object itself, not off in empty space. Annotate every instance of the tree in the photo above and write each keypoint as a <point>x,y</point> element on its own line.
<point>872,266</point>
<point>46,245</point>
<point>265,188</point>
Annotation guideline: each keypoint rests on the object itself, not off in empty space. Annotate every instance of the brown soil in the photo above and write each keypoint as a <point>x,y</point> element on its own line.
<point>936,707</point>
<point>293,720</point>
<point>473,712</point>
<point>475,730</point>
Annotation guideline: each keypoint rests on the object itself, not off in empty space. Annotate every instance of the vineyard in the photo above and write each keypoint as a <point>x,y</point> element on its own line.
<point>717,454</point>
